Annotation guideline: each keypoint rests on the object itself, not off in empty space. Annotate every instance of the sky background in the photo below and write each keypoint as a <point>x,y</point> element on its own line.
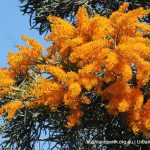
<point>12,25</point>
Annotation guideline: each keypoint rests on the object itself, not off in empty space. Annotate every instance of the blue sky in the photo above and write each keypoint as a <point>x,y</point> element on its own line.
<point>12,25</point>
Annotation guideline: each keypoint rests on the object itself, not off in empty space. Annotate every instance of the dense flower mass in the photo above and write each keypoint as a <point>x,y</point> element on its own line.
<point>96,55</point>
<point>21,62</point>
<point>6,81</point>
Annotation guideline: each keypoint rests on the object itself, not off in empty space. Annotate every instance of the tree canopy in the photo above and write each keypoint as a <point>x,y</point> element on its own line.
<point>93,80</point>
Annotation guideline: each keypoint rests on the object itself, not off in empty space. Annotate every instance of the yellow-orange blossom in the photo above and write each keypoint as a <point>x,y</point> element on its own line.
<point>75,61</point>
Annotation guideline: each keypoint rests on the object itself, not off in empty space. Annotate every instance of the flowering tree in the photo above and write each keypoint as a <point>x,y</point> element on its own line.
<point>94,72</point>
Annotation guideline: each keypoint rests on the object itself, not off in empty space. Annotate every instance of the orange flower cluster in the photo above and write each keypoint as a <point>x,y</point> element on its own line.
<point>47,92</point>
<point>21,62</point>
<point>6,81</point>
<point>11,108</point>
<point>98,51</point>
<point>139,119</point>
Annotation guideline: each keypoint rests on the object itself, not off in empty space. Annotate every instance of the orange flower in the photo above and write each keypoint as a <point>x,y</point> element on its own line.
<point>6,81</point>
<point>11,108</point>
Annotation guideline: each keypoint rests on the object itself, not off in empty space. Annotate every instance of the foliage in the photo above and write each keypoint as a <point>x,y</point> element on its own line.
<point>39,9</point>
<point>72,86</point>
